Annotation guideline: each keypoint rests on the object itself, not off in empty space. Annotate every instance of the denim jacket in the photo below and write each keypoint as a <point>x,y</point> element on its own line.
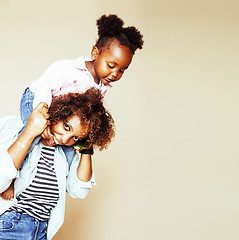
<point>67,177</point>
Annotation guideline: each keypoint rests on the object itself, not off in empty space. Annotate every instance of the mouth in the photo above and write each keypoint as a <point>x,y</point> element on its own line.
<point>52,141</point>
<point>56,141</point>
<point>108,81</point>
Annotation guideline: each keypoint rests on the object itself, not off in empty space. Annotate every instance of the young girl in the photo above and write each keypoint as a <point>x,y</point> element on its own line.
<point>110,57</point>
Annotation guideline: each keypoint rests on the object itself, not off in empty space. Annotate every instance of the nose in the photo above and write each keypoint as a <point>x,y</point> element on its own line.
<point>115,75</point>
<point>65,138</point>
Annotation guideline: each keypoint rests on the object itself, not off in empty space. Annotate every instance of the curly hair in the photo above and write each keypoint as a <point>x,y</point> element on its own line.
<point>110,28</point>
<point>89,108</point>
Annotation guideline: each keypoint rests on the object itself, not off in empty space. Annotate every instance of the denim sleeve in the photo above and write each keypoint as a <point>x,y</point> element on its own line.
<point>9,126</point>
<point>70,153</point>
<point>26,106</point>
<point>75,187</point>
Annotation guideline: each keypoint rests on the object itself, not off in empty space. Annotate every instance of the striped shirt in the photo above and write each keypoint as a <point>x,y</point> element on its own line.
<point>41,196</point>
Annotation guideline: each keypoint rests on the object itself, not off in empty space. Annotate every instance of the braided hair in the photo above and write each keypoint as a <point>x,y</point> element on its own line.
<point>110,28</point>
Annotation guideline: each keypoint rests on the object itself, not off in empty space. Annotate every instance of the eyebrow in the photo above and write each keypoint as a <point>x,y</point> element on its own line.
<point>71,128</point>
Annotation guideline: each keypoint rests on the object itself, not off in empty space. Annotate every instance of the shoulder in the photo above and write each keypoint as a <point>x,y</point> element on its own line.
<point>9,127</point>
<point>13,121</point>
<point>80,62</point>
<point>62,63</point>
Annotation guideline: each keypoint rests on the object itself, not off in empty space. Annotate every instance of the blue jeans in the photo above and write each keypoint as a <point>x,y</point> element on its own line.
<point>16,226</point>
<point>26,108</point>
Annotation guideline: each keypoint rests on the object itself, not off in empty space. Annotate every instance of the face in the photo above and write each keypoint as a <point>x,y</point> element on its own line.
<point>110,64</point>
<point>66,132</point>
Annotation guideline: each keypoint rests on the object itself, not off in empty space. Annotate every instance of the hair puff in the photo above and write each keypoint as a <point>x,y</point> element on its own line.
<point>135,37</point>
<point>110,29</point>
<point>110,25</point>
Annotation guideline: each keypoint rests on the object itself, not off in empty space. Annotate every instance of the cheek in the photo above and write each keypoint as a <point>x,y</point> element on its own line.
<point>71,142</point>
<point>119,76</point>
<point>57,128</point>
<point>101,68</point>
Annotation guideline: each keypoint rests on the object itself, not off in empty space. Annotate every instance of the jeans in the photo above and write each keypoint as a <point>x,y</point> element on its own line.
<point>26,106</point>
<point>69,152</point>
<point>17,226</point>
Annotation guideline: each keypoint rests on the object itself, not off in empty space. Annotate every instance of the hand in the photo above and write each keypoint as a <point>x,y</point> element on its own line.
<point>38,120</point>
<point>78,147</point>
<point>46,134</point>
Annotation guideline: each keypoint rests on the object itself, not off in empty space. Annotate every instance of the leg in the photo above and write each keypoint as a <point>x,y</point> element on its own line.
<point>26,106</point>
<point>15,226</point>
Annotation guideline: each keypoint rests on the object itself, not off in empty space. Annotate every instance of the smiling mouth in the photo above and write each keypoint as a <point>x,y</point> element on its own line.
<point>108,81</point>
<point>56,141</point>
<point>52,141</point>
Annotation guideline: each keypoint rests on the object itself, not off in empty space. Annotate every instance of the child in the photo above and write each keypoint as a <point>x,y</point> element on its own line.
<point>110,57</point>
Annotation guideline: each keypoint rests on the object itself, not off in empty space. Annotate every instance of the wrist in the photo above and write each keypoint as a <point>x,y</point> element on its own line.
<point>27,135</point>
<point>87,151</point>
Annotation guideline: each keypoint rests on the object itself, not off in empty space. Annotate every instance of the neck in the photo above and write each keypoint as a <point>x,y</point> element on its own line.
<point>90,67</point>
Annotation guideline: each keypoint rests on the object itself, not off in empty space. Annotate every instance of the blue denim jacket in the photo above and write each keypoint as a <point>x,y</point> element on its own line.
<point>67,178</point>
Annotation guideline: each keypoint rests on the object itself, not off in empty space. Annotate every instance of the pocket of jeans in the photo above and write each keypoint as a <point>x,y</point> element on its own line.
<point>6,224</point>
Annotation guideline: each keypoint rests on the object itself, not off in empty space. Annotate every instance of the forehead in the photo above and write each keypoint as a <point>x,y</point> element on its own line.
<point>76,126</point>
<point>117,53</point>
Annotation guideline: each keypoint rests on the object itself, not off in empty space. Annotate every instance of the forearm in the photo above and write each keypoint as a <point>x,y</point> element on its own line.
<point>36,123</point>
<point>84,170</point>
<point>18,150</point>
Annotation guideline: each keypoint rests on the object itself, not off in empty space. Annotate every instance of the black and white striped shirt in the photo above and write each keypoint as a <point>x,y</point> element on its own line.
<point>41,196</point>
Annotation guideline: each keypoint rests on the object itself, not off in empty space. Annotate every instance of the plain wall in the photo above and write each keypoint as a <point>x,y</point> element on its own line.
<point>171,173</point>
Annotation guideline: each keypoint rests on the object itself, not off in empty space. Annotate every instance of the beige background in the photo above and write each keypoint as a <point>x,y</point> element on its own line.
<point>172,171</point>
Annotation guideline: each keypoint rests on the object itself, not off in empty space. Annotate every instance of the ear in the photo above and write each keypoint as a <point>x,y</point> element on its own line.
<point>94,53</point>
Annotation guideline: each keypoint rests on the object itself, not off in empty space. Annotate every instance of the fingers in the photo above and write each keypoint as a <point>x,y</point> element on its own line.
<point>42,105</point>
<point>46,134</point>
<point>78,149</point>
<point>38,120</point>
<point>48,123</point>
<point>11,197</point>
<point>7,196</point>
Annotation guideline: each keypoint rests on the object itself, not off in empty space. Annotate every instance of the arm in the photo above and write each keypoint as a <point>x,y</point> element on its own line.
<point>80,178</point>
<point>12,153</point>
<point>49,82</point>
<point>84,170</point>
<point>36,123</point>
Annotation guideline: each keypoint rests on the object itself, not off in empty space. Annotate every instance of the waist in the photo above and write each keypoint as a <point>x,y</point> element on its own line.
<point>20,216</point>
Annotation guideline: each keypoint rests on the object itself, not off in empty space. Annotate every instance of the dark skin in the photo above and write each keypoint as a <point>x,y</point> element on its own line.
<point>36,123</point>
<point>109,64</point>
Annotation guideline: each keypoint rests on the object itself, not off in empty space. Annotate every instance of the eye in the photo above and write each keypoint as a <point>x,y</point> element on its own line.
<point>110,65</point>
<point>122,71</point>
<point>66,126</point>
<point>75,138</point>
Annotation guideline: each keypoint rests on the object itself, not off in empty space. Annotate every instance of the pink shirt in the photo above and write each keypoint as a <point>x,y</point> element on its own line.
<point>62,77</point>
